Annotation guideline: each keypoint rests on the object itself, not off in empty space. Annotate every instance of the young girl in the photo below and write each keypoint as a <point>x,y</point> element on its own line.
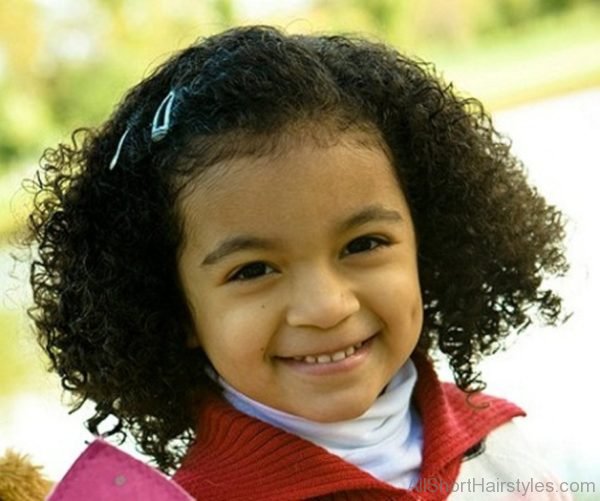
<point>251,264</point>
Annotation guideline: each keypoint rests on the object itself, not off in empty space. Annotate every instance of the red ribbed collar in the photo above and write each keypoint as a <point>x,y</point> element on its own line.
<point>237,457</point>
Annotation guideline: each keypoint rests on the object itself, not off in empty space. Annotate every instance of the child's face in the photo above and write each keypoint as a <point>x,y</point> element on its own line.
<point>297,259</point>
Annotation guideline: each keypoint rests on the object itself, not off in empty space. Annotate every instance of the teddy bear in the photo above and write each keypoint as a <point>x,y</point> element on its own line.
<point>21,480</point>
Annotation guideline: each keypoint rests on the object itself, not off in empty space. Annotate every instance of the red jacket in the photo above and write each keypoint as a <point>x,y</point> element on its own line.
<point>237,457</point>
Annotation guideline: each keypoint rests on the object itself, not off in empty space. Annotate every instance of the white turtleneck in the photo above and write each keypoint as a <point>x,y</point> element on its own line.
<point>386,441</point>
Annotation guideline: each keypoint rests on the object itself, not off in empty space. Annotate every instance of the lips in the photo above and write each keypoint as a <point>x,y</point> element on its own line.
<point>327,358</point>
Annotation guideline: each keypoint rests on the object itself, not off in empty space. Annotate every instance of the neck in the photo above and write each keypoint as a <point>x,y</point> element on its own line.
<point>388,431</point>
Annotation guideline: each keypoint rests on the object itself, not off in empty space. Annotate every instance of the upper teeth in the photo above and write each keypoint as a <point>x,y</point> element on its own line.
<point>327,358</point>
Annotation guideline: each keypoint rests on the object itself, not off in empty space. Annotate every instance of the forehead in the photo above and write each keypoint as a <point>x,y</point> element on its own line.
<point>207,157</point>
<point>307,181</point>
<point>207,160</point>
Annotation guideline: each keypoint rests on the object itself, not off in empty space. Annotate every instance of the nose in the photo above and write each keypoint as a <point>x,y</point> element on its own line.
<point>320,298</point>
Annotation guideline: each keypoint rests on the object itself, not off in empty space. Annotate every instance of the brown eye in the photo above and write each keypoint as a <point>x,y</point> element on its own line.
<point>365,244</point>
<point>251,271</point>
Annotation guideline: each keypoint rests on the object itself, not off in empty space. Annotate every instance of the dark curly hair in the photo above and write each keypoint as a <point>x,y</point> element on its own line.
<point>108,306</point>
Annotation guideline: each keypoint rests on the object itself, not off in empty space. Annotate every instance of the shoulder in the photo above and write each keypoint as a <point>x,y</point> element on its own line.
<point>508,445</point>
<point>508,465</point>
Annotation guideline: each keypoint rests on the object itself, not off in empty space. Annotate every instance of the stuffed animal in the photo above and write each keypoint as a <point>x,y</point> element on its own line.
<point>20,480</point>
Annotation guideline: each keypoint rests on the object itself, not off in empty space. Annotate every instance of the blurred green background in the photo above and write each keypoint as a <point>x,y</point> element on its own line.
<point>65,63</point>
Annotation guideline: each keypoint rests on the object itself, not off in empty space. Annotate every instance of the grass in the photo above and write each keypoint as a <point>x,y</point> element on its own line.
<point>552,56</point>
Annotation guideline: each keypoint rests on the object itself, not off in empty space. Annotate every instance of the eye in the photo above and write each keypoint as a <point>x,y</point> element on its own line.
<point>251,271</point>
<point>365,244</point>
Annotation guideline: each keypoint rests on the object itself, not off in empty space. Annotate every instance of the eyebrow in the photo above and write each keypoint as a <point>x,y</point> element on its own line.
<point>247,242</point>
<point>237,244</point>
<point>370,214</point>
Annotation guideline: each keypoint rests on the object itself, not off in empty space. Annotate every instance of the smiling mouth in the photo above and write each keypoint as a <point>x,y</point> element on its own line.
<point>327,358</point>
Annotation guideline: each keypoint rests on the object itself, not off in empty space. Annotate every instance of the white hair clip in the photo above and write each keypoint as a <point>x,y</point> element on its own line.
<point>115,157</point>
<point>161,123</point>
<point>162,118</point>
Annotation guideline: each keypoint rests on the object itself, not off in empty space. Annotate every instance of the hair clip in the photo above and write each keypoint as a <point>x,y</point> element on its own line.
<point>115,157</point>
<point>162,118</point>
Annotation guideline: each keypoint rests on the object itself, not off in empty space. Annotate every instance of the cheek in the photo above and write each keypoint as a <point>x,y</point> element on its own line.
<point>416,311</point>
<point>417,299</point>
<point>404,303</point>
<point>417,317</point>
<point>234,329</point>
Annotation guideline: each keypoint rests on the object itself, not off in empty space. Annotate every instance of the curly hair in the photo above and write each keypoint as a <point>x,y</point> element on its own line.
<point>108,306</point>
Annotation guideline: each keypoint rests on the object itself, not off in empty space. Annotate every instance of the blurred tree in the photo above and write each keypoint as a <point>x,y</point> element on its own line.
<point>20,37</point>
<point>375,16</point>
<point>21,114</point>
<point>514,12</point>
<point>63,65</point>
<point>225,11</point>
<point>454,27</point>
<point>383,13</point>
<point>551,6</point>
